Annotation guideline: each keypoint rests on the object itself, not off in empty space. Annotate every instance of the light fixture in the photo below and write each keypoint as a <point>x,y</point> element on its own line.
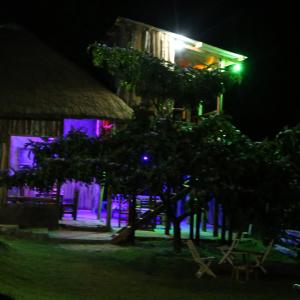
<point>179,45</point>
<point>145,157</point>
<point>237,68</point>
<point>198,44</point>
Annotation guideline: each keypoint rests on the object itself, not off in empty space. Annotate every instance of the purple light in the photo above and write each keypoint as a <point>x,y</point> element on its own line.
<point>98,129</point>
<point>88,126</point>
<point>145,158</point>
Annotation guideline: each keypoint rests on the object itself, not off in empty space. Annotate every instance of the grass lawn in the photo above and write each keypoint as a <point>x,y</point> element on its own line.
<point>39,270</point>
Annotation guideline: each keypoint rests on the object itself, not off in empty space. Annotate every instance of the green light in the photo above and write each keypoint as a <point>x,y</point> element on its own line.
<point>200,109</point>
<point>237,68</point>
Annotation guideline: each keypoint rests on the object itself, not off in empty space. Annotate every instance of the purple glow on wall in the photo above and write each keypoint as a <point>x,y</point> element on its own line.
<point>19,156</point>
<point>85,125</point>
<point>98,128</point>
<point>88,194</point>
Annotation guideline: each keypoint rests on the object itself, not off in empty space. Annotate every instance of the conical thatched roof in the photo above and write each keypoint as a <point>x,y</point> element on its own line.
<point>38,83</point>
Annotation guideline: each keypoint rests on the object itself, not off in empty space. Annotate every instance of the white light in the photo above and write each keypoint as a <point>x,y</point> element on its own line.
<point>179,45</point>
<point>198,44</point>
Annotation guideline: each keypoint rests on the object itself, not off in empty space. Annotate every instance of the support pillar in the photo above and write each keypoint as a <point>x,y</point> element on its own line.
<point>4,157</point>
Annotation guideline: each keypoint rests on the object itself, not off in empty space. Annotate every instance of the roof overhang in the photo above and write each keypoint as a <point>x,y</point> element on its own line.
<point>224,57</point>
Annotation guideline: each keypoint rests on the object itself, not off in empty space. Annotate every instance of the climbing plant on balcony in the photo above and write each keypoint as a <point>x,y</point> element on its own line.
<point>157,80</point>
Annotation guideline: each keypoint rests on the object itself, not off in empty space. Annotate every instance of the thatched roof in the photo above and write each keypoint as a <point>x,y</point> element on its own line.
<point>36,82</point>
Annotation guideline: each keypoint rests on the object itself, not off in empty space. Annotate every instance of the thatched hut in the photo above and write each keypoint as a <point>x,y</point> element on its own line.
<point>42,93</point>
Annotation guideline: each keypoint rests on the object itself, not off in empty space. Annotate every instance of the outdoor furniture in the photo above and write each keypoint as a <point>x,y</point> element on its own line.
<point>69,206</point>
<point>261,257</point>
<point>30,211</point>
<point>237,269</point>
<point>30,200</point>
<point>247,265</point>
<point>203,262</point>
<point>247,235</point>
<point>227,251</point>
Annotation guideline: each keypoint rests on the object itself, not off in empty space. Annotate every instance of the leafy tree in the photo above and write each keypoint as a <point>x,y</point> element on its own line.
<point>73,157</point>
<point>157,80</point>
<point>288,156</point>
<point>221,157</point>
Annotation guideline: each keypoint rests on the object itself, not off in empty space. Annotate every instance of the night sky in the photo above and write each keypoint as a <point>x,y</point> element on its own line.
<point>266,33</point>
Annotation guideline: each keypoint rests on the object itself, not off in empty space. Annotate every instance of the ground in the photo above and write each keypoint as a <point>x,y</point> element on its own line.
<point>43,270</point>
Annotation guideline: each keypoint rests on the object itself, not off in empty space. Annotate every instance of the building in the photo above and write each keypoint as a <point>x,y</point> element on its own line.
<point>44,94</point>
<point>41,93</point>
<point>174,48</point>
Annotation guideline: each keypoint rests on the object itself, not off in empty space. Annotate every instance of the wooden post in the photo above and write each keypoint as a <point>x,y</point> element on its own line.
<point>4,157</point>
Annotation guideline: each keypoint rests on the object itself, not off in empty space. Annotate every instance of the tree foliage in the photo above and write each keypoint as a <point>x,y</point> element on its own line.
<point>157,80</point>
<point>256,182</point>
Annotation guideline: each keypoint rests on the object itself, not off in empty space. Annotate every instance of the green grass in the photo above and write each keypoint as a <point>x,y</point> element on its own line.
<point>39,270</point>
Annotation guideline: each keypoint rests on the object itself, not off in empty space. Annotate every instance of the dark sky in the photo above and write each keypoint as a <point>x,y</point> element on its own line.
<point>264,31</point>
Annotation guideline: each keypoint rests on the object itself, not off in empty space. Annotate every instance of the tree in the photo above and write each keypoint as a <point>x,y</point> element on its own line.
<point>71,157</point>
<point>221,157</point>
<point>157,80</point>
<point>287,154</point>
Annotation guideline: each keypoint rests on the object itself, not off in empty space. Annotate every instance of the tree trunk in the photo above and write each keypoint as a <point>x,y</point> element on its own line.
<point>230,229</point>
<point>168,213</point>
<point>223,233</point>
<point>177,235</point>
<point>192,218</point>
<point>204,221</point>
<point>108,208</point>
<point>167,225</point>
<point>57,196</point>
<point>198,224</point>
<point>216,218</point>
<point>132,218</point>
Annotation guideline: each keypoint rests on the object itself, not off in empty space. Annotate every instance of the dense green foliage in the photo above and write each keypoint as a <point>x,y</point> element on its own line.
<point>157,80</point>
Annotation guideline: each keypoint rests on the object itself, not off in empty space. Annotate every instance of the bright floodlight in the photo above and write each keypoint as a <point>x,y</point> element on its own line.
<point>237,68</point>
<point>179,45</point>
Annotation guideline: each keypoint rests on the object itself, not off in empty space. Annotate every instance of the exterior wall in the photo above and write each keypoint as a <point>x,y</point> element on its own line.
<point>23,128</point>
<point>157,43</point>
<point>29,128</point>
